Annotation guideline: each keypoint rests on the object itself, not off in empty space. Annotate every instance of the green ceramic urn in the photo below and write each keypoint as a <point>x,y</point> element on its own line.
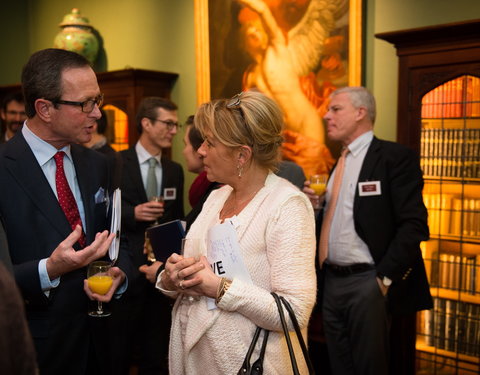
<point>77,36</point>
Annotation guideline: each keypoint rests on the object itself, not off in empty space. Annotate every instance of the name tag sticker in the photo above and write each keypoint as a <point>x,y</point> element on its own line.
<point>170,194</point>
<point>368,188</point>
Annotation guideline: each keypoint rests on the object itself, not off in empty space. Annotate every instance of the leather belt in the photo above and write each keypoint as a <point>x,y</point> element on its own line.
<point>349,270</point>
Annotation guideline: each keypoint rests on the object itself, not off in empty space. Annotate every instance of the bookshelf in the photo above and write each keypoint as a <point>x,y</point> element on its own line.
<point>439,116</point>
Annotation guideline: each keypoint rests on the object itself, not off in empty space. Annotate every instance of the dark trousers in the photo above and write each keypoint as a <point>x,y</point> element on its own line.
<point>141,325</point>
<point>356,324</point>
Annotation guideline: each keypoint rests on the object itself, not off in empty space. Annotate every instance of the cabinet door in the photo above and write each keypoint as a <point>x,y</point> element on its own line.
<point>448,336</point>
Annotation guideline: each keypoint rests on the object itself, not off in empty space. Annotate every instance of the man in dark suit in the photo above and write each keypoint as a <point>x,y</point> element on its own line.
<point>157,123</point>
<point>373,266</point>
<point>51,246</point>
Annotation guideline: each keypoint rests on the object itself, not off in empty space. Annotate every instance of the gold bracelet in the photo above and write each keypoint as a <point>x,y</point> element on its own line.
<point>222,289</point>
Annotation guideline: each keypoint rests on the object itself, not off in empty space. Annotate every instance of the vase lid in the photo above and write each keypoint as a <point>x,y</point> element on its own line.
<point>75,19</point>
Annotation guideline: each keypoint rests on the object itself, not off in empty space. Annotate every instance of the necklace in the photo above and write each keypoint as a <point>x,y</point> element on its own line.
<point>233,206</point>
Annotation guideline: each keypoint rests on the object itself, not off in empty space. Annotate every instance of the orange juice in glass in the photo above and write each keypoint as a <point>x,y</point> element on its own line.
<point>99,281</point>
<point>100,284</point>
<point>318,183</point>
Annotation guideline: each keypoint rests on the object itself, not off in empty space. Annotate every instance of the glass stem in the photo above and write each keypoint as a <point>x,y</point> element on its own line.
<point>100,308</point>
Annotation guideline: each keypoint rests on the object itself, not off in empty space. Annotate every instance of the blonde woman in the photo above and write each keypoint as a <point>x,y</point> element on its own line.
<point>216,314</point>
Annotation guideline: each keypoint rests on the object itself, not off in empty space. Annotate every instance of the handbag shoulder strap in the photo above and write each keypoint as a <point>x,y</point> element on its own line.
<point>257,367</point>
<point>296,326</point>
<point>245,369</point>
<point>279,301</point>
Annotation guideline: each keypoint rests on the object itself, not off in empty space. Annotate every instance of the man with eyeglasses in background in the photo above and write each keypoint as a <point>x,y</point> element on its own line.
<point>13,115</point>
<point>53,204</point>
<point>142,317</point>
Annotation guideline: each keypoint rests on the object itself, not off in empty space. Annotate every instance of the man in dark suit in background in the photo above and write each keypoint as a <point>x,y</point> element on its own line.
<point>145,168</point>
<point>12,114</point>
<point>373,266</point>
<point>51,244</point>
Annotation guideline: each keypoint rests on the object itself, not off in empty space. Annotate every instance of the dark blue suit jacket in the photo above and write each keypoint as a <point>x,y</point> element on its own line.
<point>35,225</point>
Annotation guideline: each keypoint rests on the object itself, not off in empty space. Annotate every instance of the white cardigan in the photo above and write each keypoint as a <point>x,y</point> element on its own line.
<point>277,239</point>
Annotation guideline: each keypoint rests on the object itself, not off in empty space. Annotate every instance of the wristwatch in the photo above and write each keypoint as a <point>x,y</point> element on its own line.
<point>385,280</point>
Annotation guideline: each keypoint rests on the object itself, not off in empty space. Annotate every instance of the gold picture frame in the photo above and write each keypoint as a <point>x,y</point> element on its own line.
<point>202,46</point>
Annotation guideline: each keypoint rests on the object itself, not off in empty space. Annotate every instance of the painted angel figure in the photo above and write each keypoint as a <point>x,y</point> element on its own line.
<point>290,44</point>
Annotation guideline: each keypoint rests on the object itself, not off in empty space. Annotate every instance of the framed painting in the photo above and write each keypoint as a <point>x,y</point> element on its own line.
<point>295,51</point>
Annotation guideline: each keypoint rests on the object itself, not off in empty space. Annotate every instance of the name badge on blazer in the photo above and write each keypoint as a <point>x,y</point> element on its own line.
<point>368,188</point>
<point>170,194</point>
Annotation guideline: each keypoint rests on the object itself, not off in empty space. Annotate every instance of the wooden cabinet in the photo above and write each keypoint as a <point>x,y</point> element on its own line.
<point>439,116</point>
<point>124,89</point>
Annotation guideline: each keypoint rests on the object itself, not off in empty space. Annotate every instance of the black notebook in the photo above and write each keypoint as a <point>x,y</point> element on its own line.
<point>166,239</point>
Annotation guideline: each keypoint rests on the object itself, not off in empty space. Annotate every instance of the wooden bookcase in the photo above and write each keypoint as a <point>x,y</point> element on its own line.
<point>439,116</point>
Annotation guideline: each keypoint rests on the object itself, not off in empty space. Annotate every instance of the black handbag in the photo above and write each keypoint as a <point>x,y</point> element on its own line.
<point>279,300</point>
<point>257,367</point>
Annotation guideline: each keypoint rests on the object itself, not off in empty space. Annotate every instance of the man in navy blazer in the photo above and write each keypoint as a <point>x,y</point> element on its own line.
<point>62,100</point>
<point>144,310</point>
<point>374,267</point>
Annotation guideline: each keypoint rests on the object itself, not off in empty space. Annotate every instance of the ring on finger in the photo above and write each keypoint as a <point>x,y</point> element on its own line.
<point>180,285</point>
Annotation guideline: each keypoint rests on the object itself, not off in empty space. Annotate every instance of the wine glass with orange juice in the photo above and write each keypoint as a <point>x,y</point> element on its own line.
<point>318,183</point>
<point>99,281</point>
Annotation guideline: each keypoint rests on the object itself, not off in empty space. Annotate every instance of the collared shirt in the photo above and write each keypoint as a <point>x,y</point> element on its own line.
<point>44,153</point>
<point>143,157</point>
<point>345,247</point>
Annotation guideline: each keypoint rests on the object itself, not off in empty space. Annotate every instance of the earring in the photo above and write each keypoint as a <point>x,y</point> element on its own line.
<point>239,170</point>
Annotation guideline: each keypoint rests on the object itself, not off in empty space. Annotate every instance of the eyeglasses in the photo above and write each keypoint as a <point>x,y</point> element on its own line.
<point>235,101</point>
<point>87,106</point>
<point>170,124</point>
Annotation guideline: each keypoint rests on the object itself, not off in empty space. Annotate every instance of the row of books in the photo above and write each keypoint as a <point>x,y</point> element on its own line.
<point>450,215</point>
<point>455,272</point>
<point>456,98</point>
<point>452,325</point>
<point>450,152</point>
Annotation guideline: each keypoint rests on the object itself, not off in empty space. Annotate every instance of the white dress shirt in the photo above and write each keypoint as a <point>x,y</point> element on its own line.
<point>345,247</point>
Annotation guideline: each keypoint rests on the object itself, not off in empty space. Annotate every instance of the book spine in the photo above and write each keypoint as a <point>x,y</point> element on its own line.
<point>450,314</point>
<point>439,322</point>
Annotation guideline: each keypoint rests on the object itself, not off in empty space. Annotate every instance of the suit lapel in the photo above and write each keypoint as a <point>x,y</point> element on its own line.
<point>84,183</point>
<point>370,161</point>
<point>166,175</point>
<point>24,167</point>
<point>133,172</point>
<point>369,164</point>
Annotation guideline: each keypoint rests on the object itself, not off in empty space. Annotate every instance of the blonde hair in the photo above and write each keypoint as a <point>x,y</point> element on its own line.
<point>248,119</point>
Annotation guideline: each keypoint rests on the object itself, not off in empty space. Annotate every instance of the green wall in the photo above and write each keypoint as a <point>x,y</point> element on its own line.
<point>381,59</point>
<point>14,40</point>
<point>159,35</point>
